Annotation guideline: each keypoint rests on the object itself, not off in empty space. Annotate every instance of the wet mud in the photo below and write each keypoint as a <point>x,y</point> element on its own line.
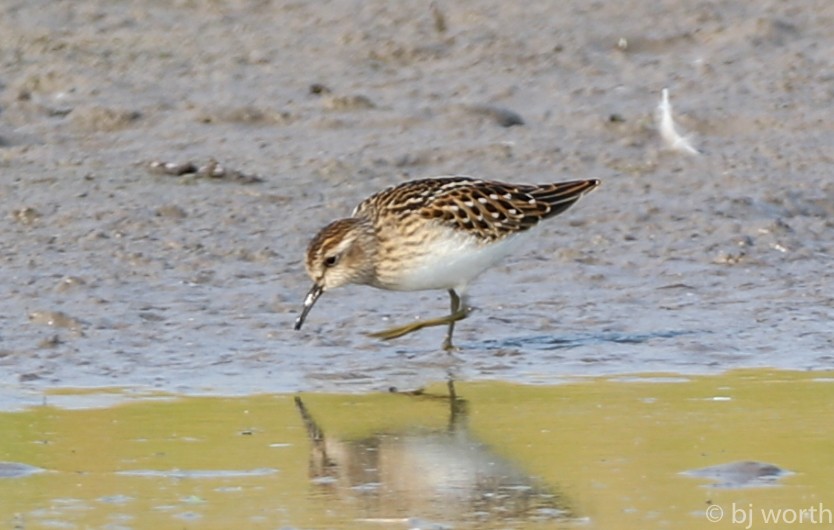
<point>115,274</point>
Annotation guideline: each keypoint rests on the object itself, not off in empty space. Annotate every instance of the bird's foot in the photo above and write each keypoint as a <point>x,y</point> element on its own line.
<point>449,347</point>
<point>399,331</point>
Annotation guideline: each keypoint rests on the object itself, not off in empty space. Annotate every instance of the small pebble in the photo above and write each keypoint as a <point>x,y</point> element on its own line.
<point>348,102</point>
<point>57,319</point>
<point>501,116</point>
<point>26,216</point>
<point>319,89</point>
<point>211,169</point>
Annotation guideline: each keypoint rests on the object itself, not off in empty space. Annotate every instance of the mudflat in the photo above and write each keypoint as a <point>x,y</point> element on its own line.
<point>276,117</point>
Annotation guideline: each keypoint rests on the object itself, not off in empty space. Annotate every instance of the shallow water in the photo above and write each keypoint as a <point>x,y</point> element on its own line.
<point>623,452</point>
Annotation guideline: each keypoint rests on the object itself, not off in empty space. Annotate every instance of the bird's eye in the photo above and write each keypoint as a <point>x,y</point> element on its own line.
<point>329,261</point>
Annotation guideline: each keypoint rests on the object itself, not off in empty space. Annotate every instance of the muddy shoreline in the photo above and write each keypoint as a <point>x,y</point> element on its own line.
<point>118,275</point>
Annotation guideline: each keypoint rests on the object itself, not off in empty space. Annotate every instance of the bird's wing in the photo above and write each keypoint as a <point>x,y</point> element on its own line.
<point>492,210</point>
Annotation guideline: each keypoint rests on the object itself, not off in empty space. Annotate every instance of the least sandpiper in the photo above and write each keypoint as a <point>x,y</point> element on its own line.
<point>437,233</point>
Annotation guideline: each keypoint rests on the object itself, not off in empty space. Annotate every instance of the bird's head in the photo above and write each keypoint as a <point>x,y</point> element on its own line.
<point>341,253</point>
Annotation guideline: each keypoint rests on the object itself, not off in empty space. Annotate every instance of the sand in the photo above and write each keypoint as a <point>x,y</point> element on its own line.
<point>116,274</point>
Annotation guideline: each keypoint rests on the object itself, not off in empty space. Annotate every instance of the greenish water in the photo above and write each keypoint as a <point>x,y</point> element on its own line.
<point>592,453</point>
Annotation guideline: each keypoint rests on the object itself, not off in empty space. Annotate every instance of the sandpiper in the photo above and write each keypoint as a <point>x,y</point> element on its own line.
<point>437,233</point>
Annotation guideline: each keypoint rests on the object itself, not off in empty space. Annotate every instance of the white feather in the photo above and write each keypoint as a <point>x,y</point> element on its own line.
<point>668,130</point>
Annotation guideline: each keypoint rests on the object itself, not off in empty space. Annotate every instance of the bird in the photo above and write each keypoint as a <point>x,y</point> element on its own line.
<point>431,233</point>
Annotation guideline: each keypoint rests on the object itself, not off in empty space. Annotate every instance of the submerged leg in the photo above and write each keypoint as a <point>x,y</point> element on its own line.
<point>458,313</point>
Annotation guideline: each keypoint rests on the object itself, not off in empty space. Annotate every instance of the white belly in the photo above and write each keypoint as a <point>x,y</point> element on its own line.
<point>451,263</point>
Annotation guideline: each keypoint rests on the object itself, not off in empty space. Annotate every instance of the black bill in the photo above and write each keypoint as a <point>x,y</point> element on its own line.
<point>309,302</point>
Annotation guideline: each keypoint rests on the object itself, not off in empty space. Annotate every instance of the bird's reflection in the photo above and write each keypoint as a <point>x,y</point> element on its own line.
<point>443,474</point>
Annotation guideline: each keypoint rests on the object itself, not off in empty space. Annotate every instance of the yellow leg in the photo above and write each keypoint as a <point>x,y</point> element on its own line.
<point>458,313</point>
<point>455,308</point>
